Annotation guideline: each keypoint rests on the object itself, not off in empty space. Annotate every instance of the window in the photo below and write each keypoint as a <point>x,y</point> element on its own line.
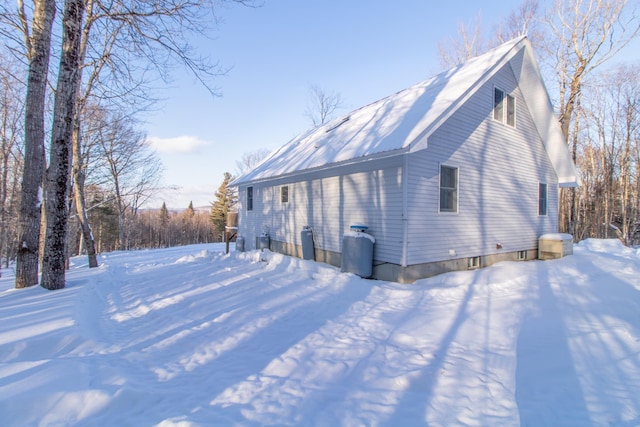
<point>504,107</point>
<point>249,198</point>
<point>473,262</point>
<point>542,199</point>
<point>522,255</point>
<point>284,194</point>
<point>448,189</point>
<point>511,110</point>
<point>498,104</point>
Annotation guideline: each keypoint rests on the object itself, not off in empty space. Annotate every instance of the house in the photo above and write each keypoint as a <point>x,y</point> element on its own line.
<point>458,171</point>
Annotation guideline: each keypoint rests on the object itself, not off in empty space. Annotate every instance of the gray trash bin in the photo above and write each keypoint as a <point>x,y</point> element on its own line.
<point>239,244</point>
<point>357,251</point>
<point>308,249</point>
<point>263,241</point>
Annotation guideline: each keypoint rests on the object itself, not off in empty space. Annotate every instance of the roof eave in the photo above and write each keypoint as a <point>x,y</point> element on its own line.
<point>328,167</point>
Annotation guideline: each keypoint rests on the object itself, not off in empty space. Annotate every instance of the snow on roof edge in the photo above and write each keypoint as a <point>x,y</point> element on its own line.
<point>296,156</point>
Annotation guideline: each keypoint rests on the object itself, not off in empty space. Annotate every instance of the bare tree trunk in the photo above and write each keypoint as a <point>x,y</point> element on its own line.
<point>573,213</point>
<point>38,48</point>
<point>79,166</point>
<point>57,182</point>
<point>584,36</point>
<point>78,185</point>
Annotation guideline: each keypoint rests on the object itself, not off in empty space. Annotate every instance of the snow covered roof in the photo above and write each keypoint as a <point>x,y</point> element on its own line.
<point>403,121</point>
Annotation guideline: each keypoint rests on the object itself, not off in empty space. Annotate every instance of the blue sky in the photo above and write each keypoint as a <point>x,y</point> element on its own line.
<point>362,49</point>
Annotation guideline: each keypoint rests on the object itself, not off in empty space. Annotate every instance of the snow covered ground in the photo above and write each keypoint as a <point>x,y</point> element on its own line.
<point>192,337</point>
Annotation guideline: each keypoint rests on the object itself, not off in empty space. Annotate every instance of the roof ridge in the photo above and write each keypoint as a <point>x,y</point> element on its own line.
<point>373,128</point>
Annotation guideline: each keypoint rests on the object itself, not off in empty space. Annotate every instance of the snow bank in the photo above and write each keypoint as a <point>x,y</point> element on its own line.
<point>603,245</point>
<point>191,336</point>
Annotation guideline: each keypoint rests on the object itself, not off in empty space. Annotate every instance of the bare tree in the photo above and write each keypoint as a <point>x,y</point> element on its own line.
<point>250,159</point>
<point>584,34</point>
<point>129,166</point>
<point>522,21</point>
<point>79,169</point>
<point>153,35</point>
<point>609,205</point>
<point>57,176</point>
<point>468,43</point>
<point>37,40</point>
<point>11,132</point>
<point>323,105</point>
<point>471,39</point>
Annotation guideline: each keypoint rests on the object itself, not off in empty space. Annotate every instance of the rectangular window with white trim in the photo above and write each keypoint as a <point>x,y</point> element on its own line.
<point>249,198</point>
<point>448,189</point>
<point>542,199</point>
<point>504,107</point>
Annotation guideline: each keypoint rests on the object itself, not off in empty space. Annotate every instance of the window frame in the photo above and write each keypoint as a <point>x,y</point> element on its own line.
<point>454,190</point>
<point>498,105</point>
<point>284,194</point>
<point>249,198</point>
<point>543,199</point>
<point>504,107</point>
<point>510,111</point>
<point>474,263</point>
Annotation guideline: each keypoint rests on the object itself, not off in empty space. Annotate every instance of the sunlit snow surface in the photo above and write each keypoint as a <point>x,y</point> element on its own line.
<point>192,337</point>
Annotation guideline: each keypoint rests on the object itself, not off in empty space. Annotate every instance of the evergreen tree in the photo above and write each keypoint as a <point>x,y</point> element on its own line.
<point>190,212</point>
<point>225,199</point>
<point>164,225</point>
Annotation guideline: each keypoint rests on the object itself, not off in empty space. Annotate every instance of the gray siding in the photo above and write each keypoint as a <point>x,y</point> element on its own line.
<point>500,168</point>
<point>330,201</point>
<point>499,171</point>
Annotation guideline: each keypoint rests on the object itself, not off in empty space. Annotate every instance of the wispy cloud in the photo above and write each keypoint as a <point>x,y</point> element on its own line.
<point>181,144</point>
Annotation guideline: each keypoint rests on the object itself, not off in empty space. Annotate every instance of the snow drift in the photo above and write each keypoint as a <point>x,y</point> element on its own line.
<point>192,337</point>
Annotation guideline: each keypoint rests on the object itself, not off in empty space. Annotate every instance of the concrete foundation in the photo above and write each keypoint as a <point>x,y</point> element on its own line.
<point>409,274</point>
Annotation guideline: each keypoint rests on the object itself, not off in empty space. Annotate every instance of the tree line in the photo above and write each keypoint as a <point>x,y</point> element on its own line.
<point>73,134</point>
<point>75,75</point>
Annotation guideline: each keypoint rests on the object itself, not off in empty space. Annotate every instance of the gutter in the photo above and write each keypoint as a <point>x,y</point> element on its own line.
<point>327,167</point>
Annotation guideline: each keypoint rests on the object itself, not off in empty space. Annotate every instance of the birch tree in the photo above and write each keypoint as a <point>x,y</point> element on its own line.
<point>57,176</point>
<point>11,132</point>
<point>609,206</point>
<point>583,35</point>
<point>37,39</point>
<point>129,166</point>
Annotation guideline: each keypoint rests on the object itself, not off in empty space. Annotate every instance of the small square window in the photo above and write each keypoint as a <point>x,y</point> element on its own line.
<point>542,199</point>
<point>522,255</point>
<point>473,262</point>
<point>284,194</point>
